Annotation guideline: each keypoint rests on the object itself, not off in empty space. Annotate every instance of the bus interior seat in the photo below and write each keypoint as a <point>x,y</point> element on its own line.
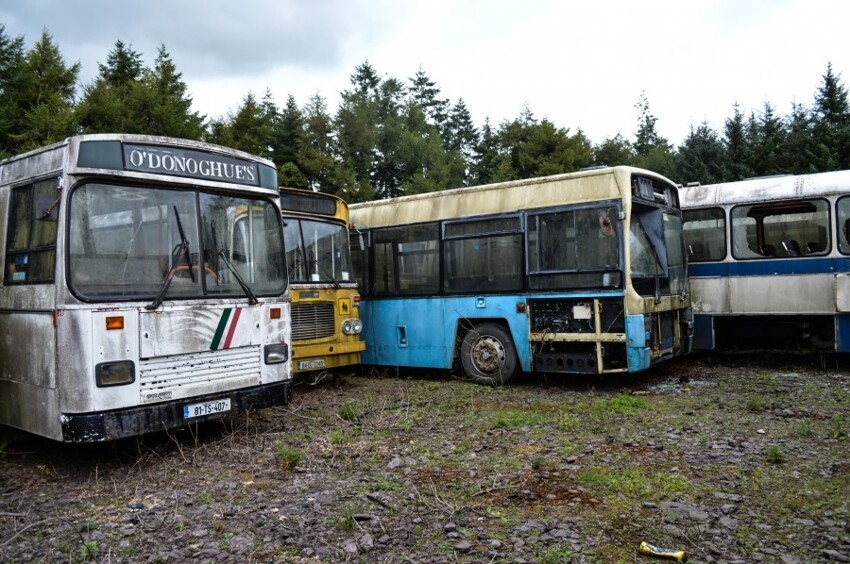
<point>792,248</point>
<point>768,251</point>
<point>813,247</point>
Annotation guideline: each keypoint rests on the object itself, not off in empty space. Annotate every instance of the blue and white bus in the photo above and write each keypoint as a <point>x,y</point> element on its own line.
<point>143,287</point>
<point>576,273</point>
<point>769,260</point>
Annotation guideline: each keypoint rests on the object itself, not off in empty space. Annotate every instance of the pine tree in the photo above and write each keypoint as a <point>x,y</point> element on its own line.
<point>461,137</point>
<point>799,151</point>
<point>107,104</point>
<point>249,128</point>
<point>486,158</point>
<point>356,124</point>
<point>316,152</point>
<point>701,157</point>
<point>613,151</point>
<point>12,89</point>
<point>48,96</point>
<point>425,92</point>
<point>652,151</point>
<point>832,123</point>
<point>287,140</point>
<point>169,111</point>
<point>770,138</point>
<point>738,147</point>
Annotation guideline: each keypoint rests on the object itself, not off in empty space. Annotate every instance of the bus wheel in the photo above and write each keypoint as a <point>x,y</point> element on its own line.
<point>487,354</point>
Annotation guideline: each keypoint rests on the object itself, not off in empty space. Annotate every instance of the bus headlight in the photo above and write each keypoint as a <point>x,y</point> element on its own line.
<point>276,354</point>
<point>356,326</point>
<point>116,373</point>
<point>347,328</point>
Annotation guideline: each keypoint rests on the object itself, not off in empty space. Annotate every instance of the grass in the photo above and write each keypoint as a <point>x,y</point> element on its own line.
<point>621,404</point>
<point>633,483</point>
<point>490,460</point>
<point>513,418</point>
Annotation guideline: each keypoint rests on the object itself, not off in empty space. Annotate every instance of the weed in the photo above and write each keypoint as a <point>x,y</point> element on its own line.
<point>557,555</point>
<point>88,526</point>
<point>344,521</point>
<point>775,454</point>
<point>339,436</point>
<point>89,550</point>
<point>754,403</point>
<point>838,424</point>
<point>350,410</point>
<point>387,486</point>
<point>805,428</point>
<point>287,457</point>
<point>569,422</point>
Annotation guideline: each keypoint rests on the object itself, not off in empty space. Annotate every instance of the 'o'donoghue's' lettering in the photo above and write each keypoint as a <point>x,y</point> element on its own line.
<point>187,165</point>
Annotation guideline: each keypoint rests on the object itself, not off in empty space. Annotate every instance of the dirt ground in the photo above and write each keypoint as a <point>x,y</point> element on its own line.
<point>740,458</point>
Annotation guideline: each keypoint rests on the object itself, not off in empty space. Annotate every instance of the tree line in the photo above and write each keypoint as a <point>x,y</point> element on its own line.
<point>390,137</point>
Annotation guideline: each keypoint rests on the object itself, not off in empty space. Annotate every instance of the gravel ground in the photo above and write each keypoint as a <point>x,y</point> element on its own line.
<point>740,458</point>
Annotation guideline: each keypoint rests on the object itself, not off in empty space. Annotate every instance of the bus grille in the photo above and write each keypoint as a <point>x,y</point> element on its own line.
<point>218,369</point>
<point>313,321</point>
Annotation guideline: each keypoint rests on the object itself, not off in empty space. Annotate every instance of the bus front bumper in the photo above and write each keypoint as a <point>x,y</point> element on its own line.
<point>130,422</point>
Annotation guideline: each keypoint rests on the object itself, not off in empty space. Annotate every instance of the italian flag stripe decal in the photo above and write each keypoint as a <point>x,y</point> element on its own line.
<point>222,325</point>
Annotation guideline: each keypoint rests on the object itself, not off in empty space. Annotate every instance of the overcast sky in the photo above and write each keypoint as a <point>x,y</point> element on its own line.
<point>582,65</point>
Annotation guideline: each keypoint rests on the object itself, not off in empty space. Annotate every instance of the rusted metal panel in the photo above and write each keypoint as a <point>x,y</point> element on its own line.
<point>27,348</point>
<point>575,188</point>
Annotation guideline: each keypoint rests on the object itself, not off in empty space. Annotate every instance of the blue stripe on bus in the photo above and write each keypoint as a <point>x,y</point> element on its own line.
<point>769,267</point>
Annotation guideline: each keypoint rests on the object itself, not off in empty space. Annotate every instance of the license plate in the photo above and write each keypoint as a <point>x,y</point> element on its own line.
<point>311,364</point>
<point>206,408</point>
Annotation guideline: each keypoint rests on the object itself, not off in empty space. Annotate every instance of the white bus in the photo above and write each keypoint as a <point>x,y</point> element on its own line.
<point>768,260</point>
<point>143,287</point>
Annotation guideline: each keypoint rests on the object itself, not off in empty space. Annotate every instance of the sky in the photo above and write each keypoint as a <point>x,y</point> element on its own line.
<point>581,65</point>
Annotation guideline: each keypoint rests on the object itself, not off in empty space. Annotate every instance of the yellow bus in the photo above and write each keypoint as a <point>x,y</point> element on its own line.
<point>326,324</point>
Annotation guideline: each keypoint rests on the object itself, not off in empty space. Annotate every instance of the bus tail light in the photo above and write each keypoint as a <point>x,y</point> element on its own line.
<point>114,322</point>
<point>276,354</point>
<point>274,313</point>
<point>116,373</point>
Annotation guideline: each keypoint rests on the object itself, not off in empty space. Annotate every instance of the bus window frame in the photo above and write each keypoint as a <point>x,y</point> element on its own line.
<point>723,230</point>
<point>783,207</point>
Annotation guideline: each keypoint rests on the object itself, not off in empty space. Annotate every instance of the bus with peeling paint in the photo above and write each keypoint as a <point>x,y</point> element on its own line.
<point>326,323</point>
<point>143,287</point>
<point>769,262</point>
<point>580,273</point>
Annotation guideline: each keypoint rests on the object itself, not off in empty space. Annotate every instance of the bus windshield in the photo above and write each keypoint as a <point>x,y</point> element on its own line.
<point>657,252</point>
<point>126,241</point>
<point>317,251</point>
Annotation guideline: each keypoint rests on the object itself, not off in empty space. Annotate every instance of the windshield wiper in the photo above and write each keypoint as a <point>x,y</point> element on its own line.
<point>181,248</point>
<point>252,298</point>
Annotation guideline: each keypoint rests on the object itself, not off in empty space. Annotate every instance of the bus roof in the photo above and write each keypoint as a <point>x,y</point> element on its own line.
<point>766,189</point>
<point>504,197</point>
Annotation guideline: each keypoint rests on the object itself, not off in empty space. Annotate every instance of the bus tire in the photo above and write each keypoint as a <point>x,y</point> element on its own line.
<point>488,355</point>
